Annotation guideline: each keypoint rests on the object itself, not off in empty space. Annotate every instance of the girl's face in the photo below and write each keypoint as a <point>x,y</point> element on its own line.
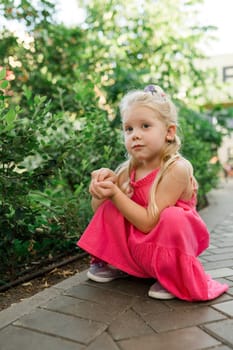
<point>145,134</point>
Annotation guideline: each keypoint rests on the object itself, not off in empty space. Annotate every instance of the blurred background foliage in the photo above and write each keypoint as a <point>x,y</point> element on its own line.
<point>59,91</point>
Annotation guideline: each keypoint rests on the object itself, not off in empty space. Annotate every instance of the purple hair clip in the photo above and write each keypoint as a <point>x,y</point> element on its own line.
<point>150,88</point>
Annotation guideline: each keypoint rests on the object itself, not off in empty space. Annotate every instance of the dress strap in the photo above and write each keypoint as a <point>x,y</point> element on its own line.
<point>149,178</point>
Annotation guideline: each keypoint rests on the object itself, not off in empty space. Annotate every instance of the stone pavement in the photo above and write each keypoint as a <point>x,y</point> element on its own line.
<point>79,314</point>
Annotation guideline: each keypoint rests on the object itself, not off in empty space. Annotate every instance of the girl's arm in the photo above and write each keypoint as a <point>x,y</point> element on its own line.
<point>96,176</point>
<point>169,190</point>
<point>95,203</point>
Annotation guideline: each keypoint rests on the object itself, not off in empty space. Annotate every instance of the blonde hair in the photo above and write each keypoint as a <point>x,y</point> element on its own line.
<point>152,97</point>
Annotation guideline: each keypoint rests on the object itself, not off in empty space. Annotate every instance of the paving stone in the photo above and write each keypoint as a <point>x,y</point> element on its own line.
<point>61,325</point>
<point>130,286</point>
<point>222,330</point>
<point>206,252</point>
<point>226,226</point>
<point>100,295</point>
<point>103,342</point>
<point>17,310</point>
<point>218,257</point>
<point>225,280</point>
<point>220,250</point>
<point>225,243</point>
<point>215,265</point>
<point>211,246</point>
<point>230,291</point>
<point>84,309</point>
<point>229,231</point>
<point>226,307</point>
<point>12,338</point>
<point>215,242</point>
<point>221,347</point>
<point>222,230</point>
<point>182,304</point>
<point>223,297</point>
<point>203,260</point>
<point>181,318</point>
<point>150,306</point>
<point>179,304</point>
<point>223,272</point>
<point>190,338</point>
<point>128,324</point>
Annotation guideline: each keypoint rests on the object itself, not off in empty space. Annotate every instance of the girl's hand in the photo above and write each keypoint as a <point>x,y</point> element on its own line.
<point>103,174</point>
<point>103,189</point>
<point>94,189</point>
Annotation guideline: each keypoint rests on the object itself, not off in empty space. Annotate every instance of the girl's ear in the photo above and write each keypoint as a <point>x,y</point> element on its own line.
<point>171,132</point>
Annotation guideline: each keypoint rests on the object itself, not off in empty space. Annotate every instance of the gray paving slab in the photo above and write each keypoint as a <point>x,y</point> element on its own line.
<point>83,315</point>
<point>189,338</point>
<point>220,205</point>
<point>178,318</point>
<point>12,338</point>
<point>129,324</point>
<point>84,309</point>
<point>16,310</point>
<point>221,330</point>
<point>104,341</point>
<point>65,326</point>
<point>226,307</point>
<point>223,272</point>
<point>230,291</point>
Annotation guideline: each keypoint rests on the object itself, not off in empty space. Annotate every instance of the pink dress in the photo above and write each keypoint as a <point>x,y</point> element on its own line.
<point>168,253</point>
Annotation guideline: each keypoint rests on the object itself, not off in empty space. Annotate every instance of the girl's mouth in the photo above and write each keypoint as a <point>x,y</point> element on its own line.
<point>137,146</point>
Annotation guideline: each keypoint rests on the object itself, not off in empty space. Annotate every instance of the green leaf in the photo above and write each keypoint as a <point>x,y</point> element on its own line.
<point>4,84</point>
<point>40,198</point>
<point>27,92</point>
<point>2,73</point>
<point>10,116</point>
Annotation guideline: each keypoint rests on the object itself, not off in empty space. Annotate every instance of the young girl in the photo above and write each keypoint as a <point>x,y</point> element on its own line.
<point>145,221</point>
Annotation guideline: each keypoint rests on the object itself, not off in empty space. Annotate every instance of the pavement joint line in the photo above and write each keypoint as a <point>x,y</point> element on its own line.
<point>48,333</point>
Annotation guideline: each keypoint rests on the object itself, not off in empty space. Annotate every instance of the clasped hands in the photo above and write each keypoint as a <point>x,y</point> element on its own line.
<point>103,184</point>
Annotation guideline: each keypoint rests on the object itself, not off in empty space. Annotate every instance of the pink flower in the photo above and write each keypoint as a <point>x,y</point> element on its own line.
<point>9,74</point>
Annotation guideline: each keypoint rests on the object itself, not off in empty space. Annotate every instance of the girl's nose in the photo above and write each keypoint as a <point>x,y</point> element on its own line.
<point>136,135</point>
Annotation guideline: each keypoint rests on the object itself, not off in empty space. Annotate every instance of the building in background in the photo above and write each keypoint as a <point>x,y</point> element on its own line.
<point>223,96</point>
<point>224,66</point>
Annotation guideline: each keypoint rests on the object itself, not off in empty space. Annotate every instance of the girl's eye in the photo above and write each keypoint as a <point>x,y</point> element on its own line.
<point>145,126</point>
<point>128,129</point>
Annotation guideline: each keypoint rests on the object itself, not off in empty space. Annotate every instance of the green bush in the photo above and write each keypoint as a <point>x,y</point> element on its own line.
<point>45,165</point>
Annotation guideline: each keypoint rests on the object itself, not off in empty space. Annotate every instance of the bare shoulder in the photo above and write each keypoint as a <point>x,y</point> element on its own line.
<point>181,170</point>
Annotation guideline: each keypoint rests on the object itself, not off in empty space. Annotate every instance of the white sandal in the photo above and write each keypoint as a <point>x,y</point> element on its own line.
<point>158,292</point>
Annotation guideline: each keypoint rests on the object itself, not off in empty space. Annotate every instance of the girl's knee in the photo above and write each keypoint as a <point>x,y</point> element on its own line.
<point>171,214</point>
